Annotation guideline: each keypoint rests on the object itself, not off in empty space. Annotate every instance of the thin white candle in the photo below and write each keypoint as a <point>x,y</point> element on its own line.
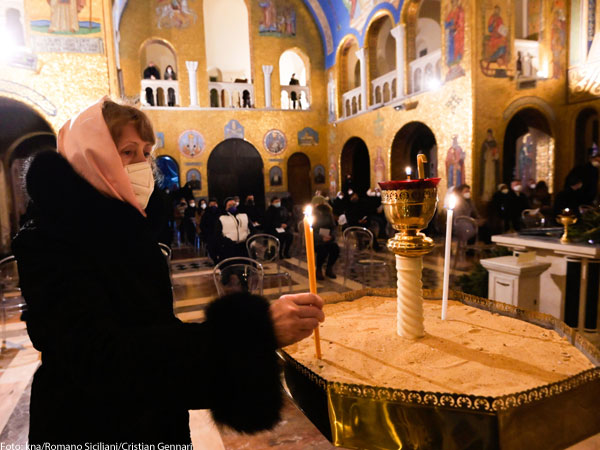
<point>449,213</point>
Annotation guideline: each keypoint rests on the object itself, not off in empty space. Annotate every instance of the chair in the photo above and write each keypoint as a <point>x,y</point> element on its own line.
<point>300,242</point>
<point>532,218</point>
<point>465,229</point>
<point>358,248</point>
<point>166,251</point>
<point>238,274</point>
<point>9,304</point>
<point>264,248</point>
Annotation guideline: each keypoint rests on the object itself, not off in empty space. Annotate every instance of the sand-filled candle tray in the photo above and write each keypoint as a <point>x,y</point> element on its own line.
<point>360,415</point>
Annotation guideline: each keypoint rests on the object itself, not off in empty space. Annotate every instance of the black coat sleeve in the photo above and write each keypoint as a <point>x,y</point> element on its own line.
<point>101,343</point>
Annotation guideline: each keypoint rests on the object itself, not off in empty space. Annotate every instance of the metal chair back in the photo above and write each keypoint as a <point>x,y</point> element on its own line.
<point>358,239</point>
<point>263,247</point>
<point>239,274</point>
<point>9,283</point>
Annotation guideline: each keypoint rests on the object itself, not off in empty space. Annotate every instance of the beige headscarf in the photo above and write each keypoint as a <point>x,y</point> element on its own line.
<point>86,143</point>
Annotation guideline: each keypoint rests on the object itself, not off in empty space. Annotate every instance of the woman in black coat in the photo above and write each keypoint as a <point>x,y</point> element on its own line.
<point>117,365</point>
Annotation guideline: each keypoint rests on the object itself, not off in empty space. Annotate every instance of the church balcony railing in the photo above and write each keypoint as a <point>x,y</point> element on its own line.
<point>384,89</point>
<point>528,58</point>
<point>160,93</point>
<point>351,102</point>
<point>302,94</point>
<point>231,95</point>
<point>425,72</point>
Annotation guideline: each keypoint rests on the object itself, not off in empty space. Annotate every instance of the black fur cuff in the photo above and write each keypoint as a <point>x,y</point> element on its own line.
<point>247,392</point>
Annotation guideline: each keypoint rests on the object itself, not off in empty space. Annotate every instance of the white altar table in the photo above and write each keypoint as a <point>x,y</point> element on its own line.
<point>553,282</point>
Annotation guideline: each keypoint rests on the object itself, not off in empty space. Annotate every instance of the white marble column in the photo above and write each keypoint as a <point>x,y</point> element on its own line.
<point>267,71</point>
<point>399,34</point>
<point>192,68</point>
<point>362,57</point>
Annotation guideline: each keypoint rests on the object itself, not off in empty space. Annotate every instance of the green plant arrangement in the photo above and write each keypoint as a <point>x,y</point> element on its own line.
<point>587,228</point>
<point>476,282</point>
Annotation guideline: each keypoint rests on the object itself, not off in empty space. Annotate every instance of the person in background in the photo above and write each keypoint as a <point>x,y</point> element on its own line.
<point>541,199</point>
<point>232,230</point>
<point>116,364</point>
<point>348,186</point>
<point>339,204</point>
<point>277,223</point>
<point>200,210</point>
<point>293,95</point>
<point>255,215</point>
<point>466,207</point>
<point>188,223</point>
<point>208,229</point>
<point>326,247</point>
<point>499,210</point>
<point>151,73</point>
<point>170,75</point>
<point>571,197</point>
<point>588,174</point>
<point>518,203</point>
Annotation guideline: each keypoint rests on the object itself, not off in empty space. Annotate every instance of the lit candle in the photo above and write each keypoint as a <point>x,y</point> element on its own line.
<point>408,171</point>
<point>310,263</point>
<point>449,213</point>
<point>421,160</point>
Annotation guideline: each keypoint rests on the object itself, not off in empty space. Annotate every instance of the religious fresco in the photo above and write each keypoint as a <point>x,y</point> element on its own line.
<point>333,176</point>
<point>279,19</point>
<point>534,156</point>
<point>360,10</point>
<point>558,36</point>
<point>275,142</point>
<point>275,176</point>
<point>66,17</point>
<point>378,122</point>
<point>454,24</point>
<point>455,164</point>
<point>234,129</point>
<point>496,48</point>
<point>308,136</point>
<point>379,168</point>
<point>174,14</point>
<point>160,140</point>
<point>319,174</point>
<point>193,179</point>
<point>191,143</point>
<point>489,169</point>
<point>534,19</point>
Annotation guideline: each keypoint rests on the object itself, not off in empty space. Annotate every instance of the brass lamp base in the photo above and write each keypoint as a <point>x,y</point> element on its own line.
<point>566,220</point>
<point>410,245</point>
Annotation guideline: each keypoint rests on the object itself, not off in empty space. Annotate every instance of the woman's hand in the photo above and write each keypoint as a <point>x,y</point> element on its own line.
<point>295,317</point>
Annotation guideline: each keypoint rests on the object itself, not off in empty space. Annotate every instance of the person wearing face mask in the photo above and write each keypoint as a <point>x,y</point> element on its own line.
<point>517,202</point>
<point>208,228</point>
<point>188,223</point>
<point>499,219</point>
<point>116,364</point>
<point>588,174</point>
<point>466,207</point>
<point>232,230</point>
<point>277,223</point>
<point>255,214</point>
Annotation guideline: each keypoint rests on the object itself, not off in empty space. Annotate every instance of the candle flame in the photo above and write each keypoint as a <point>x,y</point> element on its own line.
<point>452,201</point>
<point>567,210</point>
<point>408,170</point>
<point>308,215</point>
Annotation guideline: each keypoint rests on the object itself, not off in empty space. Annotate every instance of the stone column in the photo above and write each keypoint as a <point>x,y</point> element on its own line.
<point>267,71</point>
<point>192,67</point>
<point>399,34</point>
<point>364,102</point>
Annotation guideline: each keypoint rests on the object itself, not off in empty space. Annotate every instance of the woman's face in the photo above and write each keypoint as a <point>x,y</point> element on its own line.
<point>132,149</point>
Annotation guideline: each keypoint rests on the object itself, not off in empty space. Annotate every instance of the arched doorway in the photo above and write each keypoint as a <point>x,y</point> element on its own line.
<point>298,167</point>
<point>528,152</point>
<point>356,162</point>
<point>169,170</point>
<point>586,134</point>
<point>236,168</point>
<point>412,139</point>
<point>24,133</point>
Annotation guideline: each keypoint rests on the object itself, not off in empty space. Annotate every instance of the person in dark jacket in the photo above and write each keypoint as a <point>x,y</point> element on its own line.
<point>117,365</point>
<point>588,173</point>
<point>208,228</point>
<point>255,215</point>
<point>571,197</point>
<point>277,222</point>
<point>326,246</point>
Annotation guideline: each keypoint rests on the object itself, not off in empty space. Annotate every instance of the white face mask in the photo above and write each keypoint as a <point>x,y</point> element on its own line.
<point>467,195</point>
<point>518,188</point>
<point>203,205</point>
<point>142,181</point>
<point>532,186</point>
<point>504,191</point>
<point>350,192</point>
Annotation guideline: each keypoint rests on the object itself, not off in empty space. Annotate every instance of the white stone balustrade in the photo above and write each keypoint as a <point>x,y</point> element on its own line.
<point>384,88</point>
<point>230,95</point>
<point>160,92</point>
<point>302,97</point>
<point>530,57</point>
<point>352,102</point>
<point>425,72</point>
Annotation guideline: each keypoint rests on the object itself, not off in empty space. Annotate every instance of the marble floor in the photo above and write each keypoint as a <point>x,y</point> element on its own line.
<point>193,289</point>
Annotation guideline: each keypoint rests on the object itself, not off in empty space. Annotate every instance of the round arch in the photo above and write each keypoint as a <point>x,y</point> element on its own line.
<point>346,76</point>
<point>586,133</point>
<point>412,139</point>
<point>294,62</point>
<point>235,167</point>
<point>381,47</point>
<point>528,151</point>
<point>159,51</point>
<point>355,161</point>
<point>299,183</point>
